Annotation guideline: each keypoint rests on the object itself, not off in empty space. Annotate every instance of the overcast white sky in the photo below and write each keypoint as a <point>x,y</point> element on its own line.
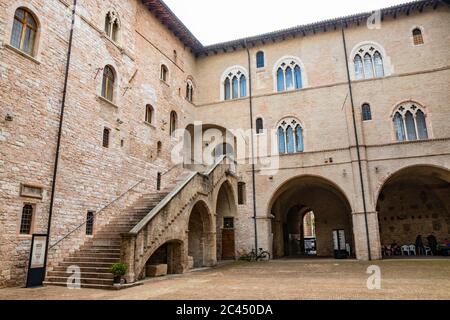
<point>213,21</point>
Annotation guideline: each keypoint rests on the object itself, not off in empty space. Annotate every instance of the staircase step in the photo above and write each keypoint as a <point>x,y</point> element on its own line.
<point>84,286</point>
<point>92,259</point>
<point>95,281</point>
<point>85,264</point>
<point>86,275</point>
<point>92,254</point>
<point>84,269</point>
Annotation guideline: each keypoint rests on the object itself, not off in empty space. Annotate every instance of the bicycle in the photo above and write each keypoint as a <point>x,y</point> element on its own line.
<point>262,255</point>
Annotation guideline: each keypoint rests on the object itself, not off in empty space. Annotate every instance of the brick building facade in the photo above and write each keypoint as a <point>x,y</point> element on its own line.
<point>390,184</point>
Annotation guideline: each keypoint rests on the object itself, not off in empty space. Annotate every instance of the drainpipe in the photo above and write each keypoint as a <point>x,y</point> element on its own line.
<point>363,191</point>
<point>58,143</point>
<point>253,144</point>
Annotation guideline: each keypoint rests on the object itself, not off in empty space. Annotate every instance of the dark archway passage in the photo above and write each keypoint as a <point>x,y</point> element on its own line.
<point>323,205</point>
<point>200,244</point>
<point>170,254</point>
<point>415,201</point>
<point>226,212</point>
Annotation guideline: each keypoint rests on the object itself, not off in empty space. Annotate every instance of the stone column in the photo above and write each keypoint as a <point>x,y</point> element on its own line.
<point>359,231</point>
<point>127,255</point>
<point>209,249</point>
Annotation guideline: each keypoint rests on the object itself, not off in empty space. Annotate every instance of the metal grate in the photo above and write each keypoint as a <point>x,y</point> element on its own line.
<point>27,218</point>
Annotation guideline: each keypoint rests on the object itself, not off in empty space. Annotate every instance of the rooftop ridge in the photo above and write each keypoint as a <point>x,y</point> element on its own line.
<point>169,18</point>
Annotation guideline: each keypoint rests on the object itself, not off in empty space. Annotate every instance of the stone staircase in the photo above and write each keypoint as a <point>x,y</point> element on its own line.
<point>97,255</point>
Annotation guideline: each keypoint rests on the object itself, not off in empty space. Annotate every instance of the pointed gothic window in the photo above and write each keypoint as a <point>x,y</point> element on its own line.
<point>234,84</point>
<point>410,122</point>
<point>289,76</point>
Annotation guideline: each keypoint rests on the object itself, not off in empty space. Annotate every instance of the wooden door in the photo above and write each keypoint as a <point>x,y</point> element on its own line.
<point>228,245</point>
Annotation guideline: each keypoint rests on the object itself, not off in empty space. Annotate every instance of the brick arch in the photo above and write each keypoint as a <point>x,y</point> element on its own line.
<point>278,189</point>
<point>200,244</point>
<point>391,175</point>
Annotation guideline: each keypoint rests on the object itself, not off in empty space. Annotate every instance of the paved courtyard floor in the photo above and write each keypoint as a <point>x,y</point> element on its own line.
<point>282,279</point>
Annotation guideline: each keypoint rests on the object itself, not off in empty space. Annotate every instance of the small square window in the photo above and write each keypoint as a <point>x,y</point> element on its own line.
<point>228,223</point>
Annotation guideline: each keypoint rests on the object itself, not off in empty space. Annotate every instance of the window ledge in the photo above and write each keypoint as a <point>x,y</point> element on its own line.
<point>164,82</point>
<point>260,70</point>
<point>108,102</point>
<point>104,36</point>
<point>148,124</point>
<point>23,54</point>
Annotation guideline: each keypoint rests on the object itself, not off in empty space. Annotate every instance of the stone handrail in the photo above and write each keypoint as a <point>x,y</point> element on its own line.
<point>141,225</point>
<point>151,232</point>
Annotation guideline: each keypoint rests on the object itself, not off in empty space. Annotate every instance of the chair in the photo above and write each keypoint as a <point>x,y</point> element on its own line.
<point>405,249</point>
<point>412,249</point>
<point>428,251</point>
<point>388,251</point>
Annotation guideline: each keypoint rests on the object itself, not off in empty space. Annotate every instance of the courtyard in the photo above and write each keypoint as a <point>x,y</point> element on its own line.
<point>276,280</point>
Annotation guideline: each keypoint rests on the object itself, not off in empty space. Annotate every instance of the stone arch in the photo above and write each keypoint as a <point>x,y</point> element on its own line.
<point>281,185</point>
<point>201,140</point>
<point>413,201</point>
<point>200,236</point>
<point>170,254</point>
<point>299,195</point>
<point>226,215</point>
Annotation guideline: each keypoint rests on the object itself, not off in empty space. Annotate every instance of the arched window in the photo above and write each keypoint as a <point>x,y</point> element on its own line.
<point>24,31</point>
<point>259,125</point>
<point>27,219</point>
<point>164,73</point>
<point>290,136</point>
<point>260,60</point>
<point>410,122</point>
<point>105,140</point>
<point>227,89</point>
<point>359,69</point>
<point>108,83</point>
<point>173,122</point>
<point>149,114</point>
<point>234,84</point>
<point>366,112</point>
<point>280,80</point>
<point>243,86</point>
<point>159,148</point>
<point>417,37</point>
<point>368,66</point>
<point>368,63</point>
<point>112,25</point>
<point>281,141</point>
<point>189,91</point>
<point>289,76</point>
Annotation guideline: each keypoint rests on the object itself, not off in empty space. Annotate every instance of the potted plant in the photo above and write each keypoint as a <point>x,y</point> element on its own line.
<point>118,270</point>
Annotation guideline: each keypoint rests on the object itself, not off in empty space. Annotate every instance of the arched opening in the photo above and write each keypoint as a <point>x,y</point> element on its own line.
<point>226,211</point>
<point>307,211</point>
<point>414,210</point>
<point>204,144</point>
<point>223,149</point>
<point>200,237</point>
<point>168,259</point>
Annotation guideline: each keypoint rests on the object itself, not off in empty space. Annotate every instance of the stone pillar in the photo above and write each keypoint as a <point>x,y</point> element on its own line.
<point>209,249</point>
<point>127,256</point>
<point>360,233</point>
